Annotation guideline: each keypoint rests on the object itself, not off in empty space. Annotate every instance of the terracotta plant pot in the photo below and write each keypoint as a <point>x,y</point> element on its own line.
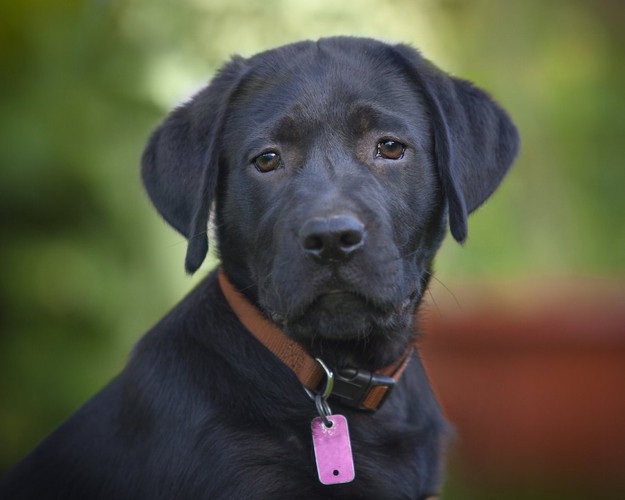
<point>532,377</point>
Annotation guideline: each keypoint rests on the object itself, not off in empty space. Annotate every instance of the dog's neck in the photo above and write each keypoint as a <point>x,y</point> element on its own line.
<point>373,387</point>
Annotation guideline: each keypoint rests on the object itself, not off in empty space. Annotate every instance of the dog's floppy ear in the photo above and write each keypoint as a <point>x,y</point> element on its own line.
<point>475,141</point>
<point>179,166</point>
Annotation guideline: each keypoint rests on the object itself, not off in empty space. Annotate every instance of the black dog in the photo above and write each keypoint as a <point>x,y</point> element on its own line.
<point>333,167</point>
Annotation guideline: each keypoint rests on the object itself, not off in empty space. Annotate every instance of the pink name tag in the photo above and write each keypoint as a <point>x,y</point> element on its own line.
<point>333,450</point>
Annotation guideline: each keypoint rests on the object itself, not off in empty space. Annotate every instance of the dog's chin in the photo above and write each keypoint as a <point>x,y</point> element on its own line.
<point>345,328</point>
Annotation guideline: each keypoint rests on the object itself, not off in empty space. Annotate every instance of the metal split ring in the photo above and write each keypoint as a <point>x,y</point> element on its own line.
<point>320,399</point>
<point>323,409</point>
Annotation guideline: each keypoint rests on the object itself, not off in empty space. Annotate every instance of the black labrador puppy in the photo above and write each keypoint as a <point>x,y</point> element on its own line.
<point>332,169</point>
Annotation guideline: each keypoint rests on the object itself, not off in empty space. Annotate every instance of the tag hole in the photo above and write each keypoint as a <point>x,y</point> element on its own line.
<point>330,424</point>
<point>335,472</point>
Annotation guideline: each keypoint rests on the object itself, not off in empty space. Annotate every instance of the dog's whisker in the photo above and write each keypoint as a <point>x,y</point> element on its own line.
<point>199,233</point>
<point>175,244</point>
<point>445,287</point>
<point>438,310</point>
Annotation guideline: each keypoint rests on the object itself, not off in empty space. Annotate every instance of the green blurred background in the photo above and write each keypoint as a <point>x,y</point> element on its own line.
<point>87,266</point>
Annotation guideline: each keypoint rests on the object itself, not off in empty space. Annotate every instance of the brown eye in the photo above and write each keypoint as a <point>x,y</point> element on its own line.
<point>391,150</point>
<point>267,162</point>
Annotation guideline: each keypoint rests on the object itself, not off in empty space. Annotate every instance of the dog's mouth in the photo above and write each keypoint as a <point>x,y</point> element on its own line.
<point>347,328</point>
<point>339,301</point>
<point>341,314</point>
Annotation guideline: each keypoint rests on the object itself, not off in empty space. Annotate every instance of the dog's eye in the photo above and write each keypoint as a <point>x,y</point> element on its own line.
<point>391,150</point>
<point>267,162</point>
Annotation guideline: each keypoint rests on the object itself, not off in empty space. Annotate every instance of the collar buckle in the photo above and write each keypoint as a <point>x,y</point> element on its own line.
<point>361,389</point>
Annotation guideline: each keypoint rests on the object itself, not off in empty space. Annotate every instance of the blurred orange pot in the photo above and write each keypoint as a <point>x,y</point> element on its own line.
<point>532,377</point>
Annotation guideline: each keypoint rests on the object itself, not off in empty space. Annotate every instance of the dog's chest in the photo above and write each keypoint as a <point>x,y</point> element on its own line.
<point>280,463</point>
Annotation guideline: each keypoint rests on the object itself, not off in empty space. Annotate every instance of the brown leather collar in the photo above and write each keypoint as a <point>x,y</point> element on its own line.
<point>375,388</point>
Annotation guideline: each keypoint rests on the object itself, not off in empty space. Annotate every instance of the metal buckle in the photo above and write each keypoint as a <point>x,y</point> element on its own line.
<point>352,386</point>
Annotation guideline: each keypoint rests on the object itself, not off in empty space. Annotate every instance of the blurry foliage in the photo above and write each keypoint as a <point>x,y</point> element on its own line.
<point>86,265</point>
<point>558,67</point>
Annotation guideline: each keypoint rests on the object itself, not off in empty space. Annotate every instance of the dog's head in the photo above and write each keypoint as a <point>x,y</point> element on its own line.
<point>334,167</point>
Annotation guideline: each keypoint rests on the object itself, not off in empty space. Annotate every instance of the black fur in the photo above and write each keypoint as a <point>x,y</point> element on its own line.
<point>203,410</point>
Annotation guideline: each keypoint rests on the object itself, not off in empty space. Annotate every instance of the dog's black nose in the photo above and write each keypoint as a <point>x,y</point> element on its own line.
<point>332,239</point>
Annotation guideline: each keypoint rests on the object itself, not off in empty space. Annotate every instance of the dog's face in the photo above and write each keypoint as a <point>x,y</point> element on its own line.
<point>330,196</point>
<point>333,165</point>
